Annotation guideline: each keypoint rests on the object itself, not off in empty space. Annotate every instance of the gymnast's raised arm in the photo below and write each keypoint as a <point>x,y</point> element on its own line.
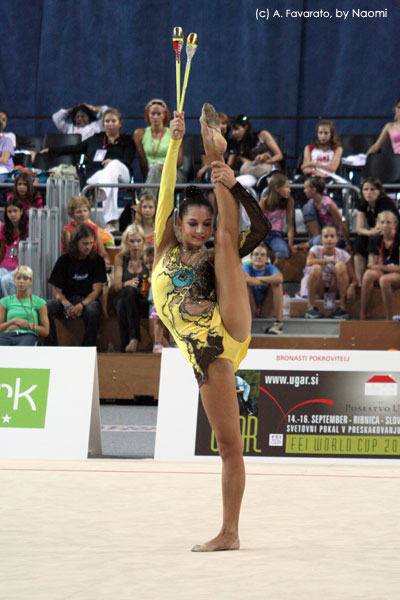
<point>165,235</point>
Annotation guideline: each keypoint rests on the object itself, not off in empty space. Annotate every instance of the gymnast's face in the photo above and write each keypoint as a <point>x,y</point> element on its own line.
<point>196,226</point>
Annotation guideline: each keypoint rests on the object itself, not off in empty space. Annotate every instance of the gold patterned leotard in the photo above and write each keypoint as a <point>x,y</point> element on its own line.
<point>183,282</point>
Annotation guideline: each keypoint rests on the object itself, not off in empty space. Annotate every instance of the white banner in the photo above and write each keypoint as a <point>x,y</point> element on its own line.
<point>49,402</point>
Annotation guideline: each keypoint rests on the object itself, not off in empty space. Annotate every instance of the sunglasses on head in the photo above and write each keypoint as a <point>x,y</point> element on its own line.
<point>156,102</point>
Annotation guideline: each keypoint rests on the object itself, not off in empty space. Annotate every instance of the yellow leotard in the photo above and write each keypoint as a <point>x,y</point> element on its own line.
<point>184,287</point>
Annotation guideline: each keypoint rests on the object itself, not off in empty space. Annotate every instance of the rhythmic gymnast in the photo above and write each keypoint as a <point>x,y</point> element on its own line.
<point>201,296</point>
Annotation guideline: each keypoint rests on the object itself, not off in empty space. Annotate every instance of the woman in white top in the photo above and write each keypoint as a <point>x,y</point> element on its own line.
<point>83,118</point>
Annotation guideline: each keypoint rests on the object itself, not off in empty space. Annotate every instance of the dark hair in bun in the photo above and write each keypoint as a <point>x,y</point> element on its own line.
<point>193,197</point>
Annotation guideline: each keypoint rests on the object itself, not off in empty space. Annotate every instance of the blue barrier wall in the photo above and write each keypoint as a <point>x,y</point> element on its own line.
<point>57,53</point>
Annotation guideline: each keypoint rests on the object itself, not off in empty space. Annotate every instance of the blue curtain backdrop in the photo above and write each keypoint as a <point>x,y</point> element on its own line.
<point>57,53</point>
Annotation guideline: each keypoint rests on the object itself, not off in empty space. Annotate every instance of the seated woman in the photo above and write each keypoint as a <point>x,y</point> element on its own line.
<point>321,210</point>
<point>261,277</point>
<point>373,200</point>
<point>24,191</point>
<point>152,143</point>
<point>23,316</point>
<point>9,134</point>
<point>6,155</point>
<point>254,153</point>
<point>78,278</point>
<point>385,269</point>
<point>129,272</point>
<point>201,296</point>
<point>83,118</point>
<point>328,270</point>
<point>12,231</point>
<point>109,157</point>
<point>390,131</point>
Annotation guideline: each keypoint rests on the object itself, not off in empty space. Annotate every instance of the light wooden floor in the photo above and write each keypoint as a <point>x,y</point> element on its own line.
<point>122,530</point>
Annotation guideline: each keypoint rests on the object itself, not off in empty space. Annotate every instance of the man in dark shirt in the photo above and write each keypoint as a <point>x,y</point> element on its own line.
<point>78,278</point>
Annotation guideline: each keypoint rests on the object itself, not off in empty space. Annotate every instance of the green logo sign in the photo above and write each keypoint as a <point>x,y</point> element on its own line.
<point>23,397</point>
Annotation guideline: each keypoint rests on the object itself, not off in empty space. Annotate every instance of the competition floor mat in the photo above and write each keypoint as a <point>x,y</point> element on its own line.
<point>123,529</point>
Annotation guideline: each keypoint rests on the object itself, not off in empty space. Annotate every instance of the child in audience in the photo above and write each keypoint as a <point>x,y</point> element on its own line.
<point>328,269</point>
<point>23,316</point>
<point>278,206</point>
<point>373,200</point>
<point>386,268</point>
<point>146,215</point>
<point>323,157</point>
<point>390,131</point>
<point>131,303</point>
<point>79,210</point>
<point>8,134</point>
<point>261,276</point>
<point>321,210</point>
<point>12,231</point>
<point>24,191</point>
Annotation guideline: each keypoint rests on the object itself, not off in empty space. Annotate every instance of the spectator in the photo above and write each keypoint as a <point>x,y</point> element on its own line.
<point>6,154</point>
<point>12,231</point>
<point>152,143</point>
<point>373,200</point>
<point>385,269</point>
<point>8,134</point>
<point>109,157</point>
<point>328,269</point>
<point>254,153</point>
<point>261,276</point>
<point>390,131</point>
<point>83,118</point>
<point>78,278</point>
<point>131,303</point>
<point>146,215</point>
<point>322,158</point>
<point>321,210</point>
<point>24,191</point>
<point>23,316</point>
<point>79,210</point>
<point>142,213</point>
<point>278,206</point>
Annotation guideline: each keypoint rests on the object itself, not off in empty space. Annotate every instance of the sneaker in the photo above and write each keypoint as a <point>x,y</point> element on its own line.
<point>338,313</point>
<point>396,317</point>
<point>173,345</point>
<point>276,328</point>
<point>157,348</point>
<point>314,313</point>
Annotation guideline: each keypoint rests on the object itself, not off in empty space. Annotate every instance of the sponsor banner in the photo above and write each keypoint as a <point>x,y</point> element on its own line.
<point>307,404</point>
<point>49,403</point>
<point>314,413</point>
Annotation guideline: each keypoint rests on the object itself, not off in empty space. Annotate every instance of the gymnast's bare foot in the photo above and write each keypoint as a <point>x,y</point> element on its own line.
<point>214,141</point>
<point>221,542</point>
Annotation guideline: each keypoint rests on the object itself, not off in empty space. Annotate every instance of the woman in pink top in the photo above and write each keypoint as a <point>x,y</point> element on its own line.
<point>278,206</point>
<point>24,191</point>
<point>391,130</point>
<point>12,231</point>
